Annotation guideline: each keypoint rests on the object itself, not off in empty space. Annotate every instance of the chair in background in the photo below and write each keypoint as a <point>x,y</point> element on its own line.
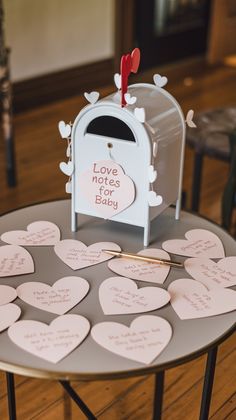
<point>6,104</point>
<point>229,194</point>
<point>210,138</point>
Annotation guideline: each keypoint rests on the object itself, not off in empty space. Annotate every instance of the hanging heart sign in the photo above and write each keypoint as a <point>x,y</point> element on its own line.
<point>50,342</point>
<point>8,315</point>
<point>198,243</point>
<point>77,255</point>
<point>59,298</point>
<point>142,270</point>
<point>120,295</point>
<point>107,189</point>
<point>191,299</point>
<point>143,341</point>
<point>39,233</point>
<point>14,261</point>
<point>222,273</point>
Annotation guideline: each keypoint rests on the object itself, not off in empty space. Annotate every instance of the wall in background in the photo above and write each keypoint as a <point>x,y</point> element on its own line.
<point>50,35</point>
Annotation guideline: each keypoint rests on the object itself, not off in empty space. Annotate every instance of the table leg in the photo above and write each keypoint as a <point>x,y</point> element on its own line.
<point>11,396</point>
<point>196,183</point>
<point>83,407</point>
<point>158,395</point>
<point>208,384</point>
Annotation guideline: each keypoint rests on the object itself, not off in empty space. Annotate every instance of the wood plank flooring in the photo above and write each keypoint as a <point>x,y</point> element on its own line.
<point>39,149</point>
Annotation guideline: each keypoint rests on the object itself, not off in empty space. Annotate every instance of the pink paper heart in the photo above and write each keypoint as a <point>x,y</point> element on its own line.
<point>77,255</point>
<point>14,261</point>
<point>198,243</point>
<point>38,233</point>
<point>106,187</point>
<point>222,273</point>
<point>7,294</point>
<point>143,341</point>
<point>50,342</point>
<point>8,315</point>
<point>120,295</point>
<point>59,298</point>
<point>141,270</point>
<point>191,299</point>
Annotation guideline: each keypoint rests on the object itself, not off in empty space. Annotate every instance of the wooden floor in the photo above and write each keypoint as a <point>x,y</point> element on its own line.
<point>39,149</point>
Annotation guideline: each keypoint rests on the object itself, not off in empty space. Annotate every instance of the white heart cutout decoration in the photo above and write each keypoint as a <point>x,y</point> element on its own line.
<point>14,261</point>
<point>159,80</point>
<point>153,332</point>
<point>107,188</point>
<point>120,295</point>
<point>139,113</point>
<point>189,119</point>
<point>40,233</point>
<point>64,129</point>
<point>92,97</point>
<point>8,315</point>
<point>7,294</point>
<point>67,168</point>
<point>59,298</point>
<point>190,299</point>
<point>142,270</point>
<point>211,274</point>
<point>117,80</point>
<point>152,174</point>
<point>198,243</point>
<point>77,255</point>
<point>50,342</point>
<point>130,100</point>
<point>154,199</point>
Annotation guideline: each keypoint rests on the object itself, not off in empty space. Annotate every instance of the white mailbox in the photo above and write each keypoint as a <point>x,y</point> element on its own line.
<point>127,162</point>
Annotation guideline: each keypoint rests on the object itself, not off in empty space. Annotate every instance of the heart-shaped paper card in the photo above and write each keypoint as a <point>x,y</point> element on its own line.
<point>8,315</point>
<point>107,188</point>
<point>198,243</point>
<point>59,298</point>
<point>191,299</point>
<point>141,270</point>
<point>14,261</point>
<point>77,255</point>
<point>38,234</point>
<point>50,342</point>
<point>143,341</point>
<point>222,273</point>
<point>7,294</point>
<point>119,295</point>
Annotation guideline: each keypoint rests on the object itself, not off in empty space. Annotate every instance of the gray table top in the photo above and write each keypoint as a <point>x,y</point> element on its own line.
<point>90,361</point>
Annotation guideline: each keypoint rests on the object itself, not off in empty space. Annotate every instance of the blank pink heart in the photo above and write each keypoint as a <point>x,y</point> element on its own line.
<point>191,299</point>
<point>222,273</point>
<point>39,233</point>
<point>50,342</point>
<point>143,341</point>
<point>14,261</point>
<point>8,315</point>
<point>119,295</point>
<point>59,298</point>
<point>141,270</point>
<point>198,243</point>
<point>77,255</point>
<point>7,294</point>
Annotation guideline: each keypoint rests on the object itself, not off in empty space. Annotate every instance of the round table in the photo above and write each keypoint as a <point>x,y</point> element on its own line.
<point>89,361</point>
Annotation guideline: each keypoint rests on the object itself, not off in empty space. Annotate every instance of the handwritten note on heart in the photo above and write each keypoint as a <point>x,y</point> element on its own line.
<point>14,261</point>
<point>8,315</point>
<point>191,299</point>
<point>143,341</point>
<point>198,243</point>
<point>50,342</point>
<point>222,273</point>
<point>7,294</point>
<point>120,295</point>
<point>77,255</point>
<point>38,234</point>
<point>58,299</point>
<point>141,270</point>
<point>107,188</point>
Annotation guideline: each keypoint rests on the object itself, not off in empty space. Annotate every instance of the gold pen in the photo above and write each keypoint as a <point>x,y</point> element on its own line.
<point>143,258</point>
